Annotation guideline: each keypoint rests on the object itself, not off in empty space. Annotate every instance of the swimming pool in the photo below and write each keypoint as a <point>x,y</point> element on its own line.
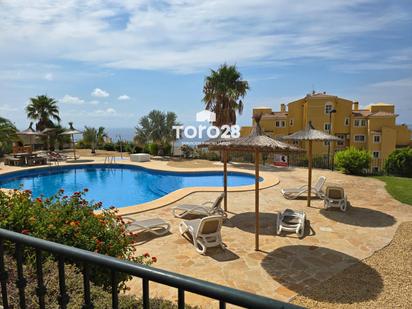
<point>115,185</point>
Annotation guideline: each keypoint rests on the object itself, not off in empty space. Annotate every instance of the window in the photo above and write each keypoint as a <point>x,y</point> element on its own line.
<point>291,122</point>
<point>295,142</point>
<point>280,123</point>
<point>359,138</point>
<point>375,169</point>
<point>328,108</point>
<point>326,126</point>
<point>347,120</point>
<point>376,139</point>
<point>375,154</point>
<point>359,123</point>
<point>326,143</point>
<point>341,142</point>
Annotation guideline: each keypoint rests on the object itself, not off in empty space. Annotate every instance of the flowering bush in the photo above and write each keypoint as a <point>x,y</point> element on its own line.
<point>73,221</point>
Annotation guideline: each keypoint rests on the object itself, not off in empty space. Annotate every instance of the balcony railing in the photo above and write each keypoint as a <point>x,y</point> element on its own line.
<point>61,252</point>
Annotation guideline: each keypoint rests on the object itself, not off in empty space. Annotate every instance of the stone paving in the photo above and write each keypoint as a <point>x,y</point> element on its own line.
<point>285,265</point>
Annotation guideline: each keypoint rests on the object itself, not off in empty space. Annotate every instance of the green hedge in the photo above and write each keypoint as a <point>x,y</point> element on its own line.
<point>399,163</point>
<point>352,161</point>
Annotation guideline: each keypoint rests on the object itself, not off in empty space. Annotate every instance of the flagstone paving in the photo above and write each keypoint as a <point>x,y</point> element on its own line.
<point>285,265</point>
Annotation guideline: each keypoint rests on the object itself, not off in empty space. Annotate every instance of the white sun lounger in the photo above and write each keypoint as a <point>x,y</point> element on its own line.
<point>336,197</point>
<point>296,192</point>
<point>181,211</point>
<point>155,226</point>
<point>291,221</point>
<point>204,232</point>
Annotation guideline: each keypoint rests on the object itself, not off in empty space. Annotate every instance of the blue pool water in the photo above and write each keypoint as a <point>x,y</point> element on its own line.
<point>116,185</point>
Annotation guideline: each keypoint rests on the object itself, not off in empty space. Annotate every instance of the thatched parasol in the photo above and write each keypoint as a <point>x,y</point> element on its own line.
<point>72,131</point>
<point>310,134</point>
<point>30,132</point>
<point>255,142</point>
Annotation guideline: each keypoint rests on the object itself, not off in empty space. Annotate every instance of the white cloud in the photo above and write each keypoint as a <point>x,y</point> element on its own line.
<point>97,92</point>
<point>94,102</point>
<point>49,76</point>
<point>68,99</point>
<point>105,112</point>
<point>186,36</point>
<point>123,97</point>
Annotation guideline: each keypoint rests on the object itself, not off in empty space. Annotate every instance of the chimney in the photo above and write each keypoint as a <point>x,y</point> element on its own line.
<point>355,105</point>
<point>283,107</point>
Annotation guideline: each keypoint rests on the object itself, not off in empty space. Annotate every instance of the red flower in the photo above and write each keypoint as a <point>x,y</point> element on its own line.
<point>86,190</point>
<point>26,191</point>
<point>154,259</point>
<point>25,232</point>
<point>146,255</point>
<point>64,197</point>
<point>61,191</point>
<point>39,200</point>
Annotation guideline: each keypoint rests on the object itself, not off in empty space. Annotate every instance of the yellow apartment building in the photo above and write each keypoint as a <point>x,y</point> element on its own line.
<point>373,128</point>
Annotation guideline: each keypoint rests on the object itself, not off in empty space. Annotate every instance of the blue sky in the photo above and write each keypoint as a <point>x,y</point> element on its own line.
<point>109,63</point>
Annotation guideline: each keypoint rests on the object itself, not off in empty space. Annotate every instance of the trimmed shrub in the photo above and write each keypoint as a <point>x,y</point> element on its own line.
<point>352,161</point>
<point>151,148</point>
<point>109,147</point>
<point>71,220</point>
<point>399,163</point>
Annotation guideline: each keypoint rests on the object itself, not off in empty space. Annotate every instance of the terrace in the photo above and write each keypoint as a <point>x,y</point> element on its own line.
<point>285,266</point>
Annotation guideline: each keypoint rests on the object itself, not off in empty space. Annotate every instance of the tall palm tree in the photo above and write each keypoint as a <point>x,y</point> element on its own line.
<point>156,127</point>
<point>43,109</point>
<point>7,135</point>
<point>223,92</point>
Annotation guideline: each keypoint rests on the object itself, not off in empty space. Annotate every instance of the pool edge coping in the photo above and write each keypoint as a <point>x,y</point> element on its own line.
<point>269,180</point>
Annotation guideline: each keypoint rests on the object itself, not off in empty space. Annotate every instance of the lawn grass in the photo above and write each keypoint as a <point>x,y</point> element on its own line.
<point>399,187</point>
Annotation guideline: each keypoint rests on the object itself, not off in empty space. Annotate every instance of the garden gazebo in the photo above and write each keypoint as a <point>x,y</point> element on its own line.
<point>310,134</point>
<point>257,143</point>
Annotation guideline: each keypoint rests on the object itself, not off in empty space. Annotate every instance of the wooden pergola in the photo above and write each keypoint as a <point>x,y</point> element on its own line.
<point>257,143</point>
<point>310,134</point>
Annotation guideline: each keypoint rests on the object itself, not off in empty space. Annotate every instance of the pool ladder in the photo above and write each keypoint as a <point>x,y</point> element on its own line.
<point>110,160</point>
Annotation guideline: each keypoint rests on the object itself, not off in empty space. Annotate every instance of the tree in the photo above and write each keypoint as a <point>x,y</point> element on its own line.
<point>156,127</point>
<point>399,162</point>
<point>94,137</point>
<point>223,92</point>
<point>43,109</point>
<point>7,135</point>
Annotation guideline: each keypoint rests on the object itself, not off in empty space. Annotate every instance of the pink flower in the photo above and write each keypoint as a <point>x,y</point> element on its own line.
<point>25,232</point>
<point>154,259</point>
<point>146,255</point>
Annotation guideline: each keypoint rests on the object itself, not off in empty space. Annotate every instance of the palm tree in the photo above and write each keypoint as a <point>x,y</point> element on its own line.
<point>156,127</point>
<point>101,136</point>
<point>43,109</point>
<point>7,135</point>
<point>223,91</point>
<point>94,137</point>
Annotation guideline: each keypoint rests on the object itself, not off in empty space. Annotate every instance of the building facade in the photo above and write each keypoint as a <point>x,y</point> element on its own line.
<point>373,128</point>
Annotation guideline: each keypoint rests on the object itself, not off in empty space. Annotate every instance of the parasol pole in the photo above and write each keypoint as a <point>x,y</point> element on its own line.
<point>74,148</point>
<point>225,178</point>
<point>309,172</point>
<point>257,200</point>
